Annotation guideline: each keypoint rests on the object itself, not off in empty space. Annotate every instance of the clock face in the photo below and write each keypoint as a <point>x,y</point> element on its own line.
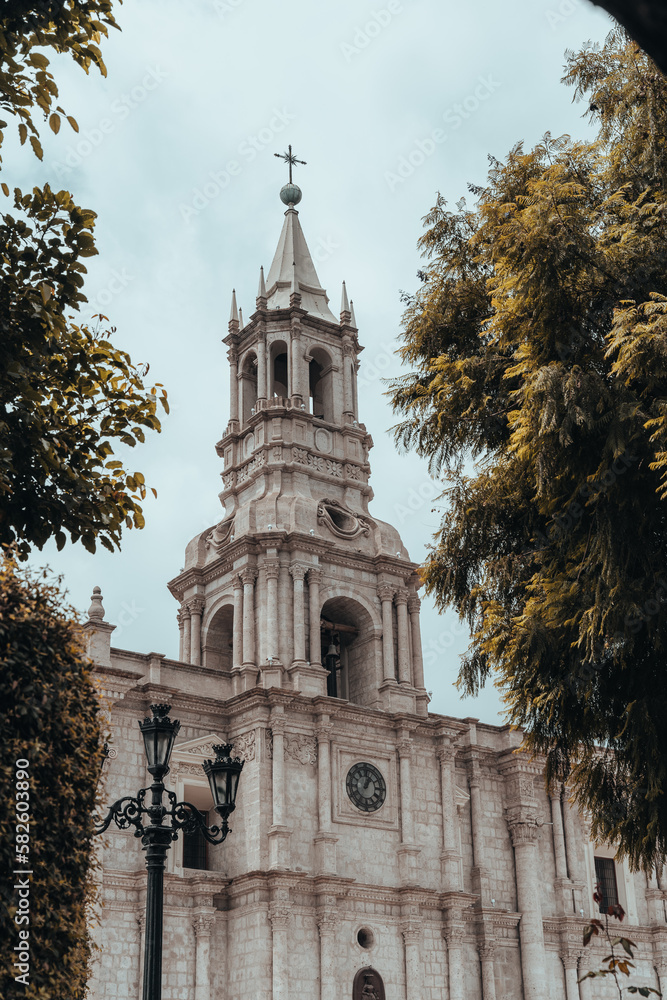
<point>366,787</point>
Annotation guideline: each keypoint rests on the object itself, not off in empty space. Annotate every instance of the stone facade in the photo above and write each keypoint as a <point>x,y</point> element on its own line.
<point>300,644</point>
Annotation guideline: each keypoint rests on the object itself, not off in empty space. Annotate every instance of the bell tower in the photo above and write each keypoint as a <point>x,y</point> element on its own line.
<point>298,586</point>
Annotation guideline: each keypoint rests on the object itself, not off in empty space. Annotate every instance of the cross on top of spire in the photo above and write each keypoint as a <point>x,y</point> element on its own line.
<point>290,158</point>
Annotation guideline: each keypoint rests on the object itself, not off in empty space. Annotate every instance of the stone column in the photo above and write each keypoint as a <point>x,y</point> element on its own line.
<point>185,615</point>
<point>479,872</point>
<point>661,971</point>
<point>272,570</point>
<point>314,578</point>
<point>404,672</point>
<point>656,908</point>
<point>202,922</point>
<point>233,358</point>
<point>386,595</point>
<point>414,604</point>
<point>454,937</point>
<point>262,366</point>
<point>181,629</point>
<point>278,732</point>
<point>248,577</point>
<point>297,362</point>
<point>575,866</point>
<point>450,857</point>
<point>196,606</point>
<point>298,573</point>
<point>524,833</point>
<point>237,627</point>
<point>404,749</point>
<point>325,839</point>
<point>488,973</point>
<point>279,914</point>
<point>571,975</point>
<point>327,921</point>
<point>559,839</point>
<point>413,966</point>
<point>585,984</point>
<point>348,361</point>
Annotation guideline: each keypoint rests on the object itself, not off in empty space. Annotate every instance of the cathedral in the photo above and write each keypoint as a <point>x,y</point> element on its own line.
<point>378,850</point>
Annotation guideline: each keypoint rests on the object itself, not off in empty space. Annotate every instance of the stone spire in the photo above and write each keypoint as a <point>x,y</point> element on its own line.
<point>234,313</point>
<point>293,263</point>
<point>353,321</point>
<point>261,291</point>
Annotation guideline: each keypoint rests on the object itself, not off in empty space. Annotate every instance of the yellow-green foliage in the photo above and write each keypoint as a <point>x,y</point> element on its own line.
<point>539,346</point>
<point>48,715</point>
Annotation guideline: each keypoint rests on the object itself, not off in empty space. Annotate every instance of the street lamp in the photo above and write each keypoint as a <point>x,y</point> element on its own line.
<point>159,733</point>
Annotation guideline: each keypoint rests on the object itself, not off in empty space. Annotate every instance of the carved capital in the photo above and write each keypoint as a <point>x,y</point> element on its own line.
<point>237,582</point>
<point>385,592</point>
<point>233,356</point>
<point>196,605</point>
<point>298,572</point>
<point>327,921</point>
<point>279,914</point>
<point>272,570</point>
<point>401,596</point>
<point>314,576</point>
<point>570,959</point>
<point>248,575</point>
<point>324,731</point>
<point>404,749</point>
<point>278,725</point>
<point>184,612</point>
<point>486,951</point>
<point>203,923</point>
<point>411,931</point>
<point>414,604</point>
<point>523,831</point>
<point>446,754</point>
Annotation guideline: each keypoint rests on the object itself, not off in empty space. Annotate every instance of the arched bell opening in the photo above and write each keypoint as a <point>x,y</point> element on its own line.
<point>320,374</point>
<point>218,644</point>
<point>347,636</point>
<point>279,370</point>
<point>248,385</point>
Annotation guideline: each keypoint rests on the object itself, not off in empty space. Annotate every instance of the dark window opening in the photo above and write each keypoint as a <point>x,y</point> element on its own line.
<point>280,375</point>
<point>605,876</point>
<point>194,848</point>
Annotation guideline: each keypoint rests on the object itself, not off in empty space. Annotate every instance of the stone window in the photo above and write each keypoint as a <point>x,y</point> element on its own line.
<point>605,877</point>
<point>321,388</point>
<point>248,385</point>
<point>279,370</point>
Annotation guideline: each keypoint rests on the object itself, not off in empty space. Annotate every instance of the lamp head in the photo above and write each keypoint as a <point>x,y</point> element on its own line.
<point>223,777</point>
<point>159,734</point>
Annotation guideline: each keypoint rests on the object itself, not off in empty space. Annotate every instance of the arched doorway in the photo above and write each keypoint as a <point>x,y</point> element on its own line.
<point>248,385</point>
<point>217,645</point>
<point>320,374</point>
<point>348,650</point>
<point>368,985</point>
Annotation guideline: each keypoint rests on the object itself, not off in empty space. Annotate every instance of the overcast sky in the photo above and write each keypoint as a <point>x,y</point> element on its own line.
<point>175,153</point>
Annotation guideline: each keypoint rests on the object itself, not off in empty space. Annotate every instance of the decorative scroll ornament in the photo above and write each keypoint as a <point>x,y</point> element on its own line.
<point>326,465</point>
<point>220,534</point>
<point>246,471</point>
<point>340,520</point>
<point>302,748</point>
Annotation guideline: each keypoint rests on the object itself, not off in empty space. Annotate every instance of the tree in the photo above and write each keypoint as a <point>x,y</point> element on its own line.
<point>539,342</point>
<point>49,769</point>
<point>67,395</point>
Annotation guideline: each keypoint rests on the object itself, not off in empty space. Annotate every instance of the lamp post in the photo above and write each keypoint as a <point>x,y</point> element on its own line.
<point>159,733</point>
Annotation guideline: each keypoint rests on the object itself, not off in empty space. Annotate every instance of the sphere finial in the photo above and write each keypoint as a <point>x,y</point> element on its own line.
<point>290,194</point>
